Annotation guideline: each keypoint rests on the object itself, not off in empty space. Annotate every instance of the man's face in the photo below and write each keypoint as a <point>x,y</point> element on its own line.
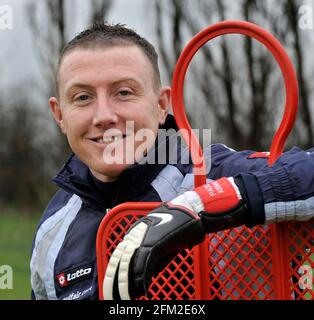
<point>103,94</point>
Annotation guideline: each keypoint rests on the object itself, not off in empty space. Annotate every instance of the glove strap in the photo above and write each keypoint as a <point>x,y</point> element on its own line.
<point>232,218</point>
<point>223,205</point>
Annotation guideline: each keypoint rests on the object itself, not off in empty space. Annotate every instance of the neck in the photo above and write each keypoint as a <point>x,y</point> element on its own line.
<point>102,177</point>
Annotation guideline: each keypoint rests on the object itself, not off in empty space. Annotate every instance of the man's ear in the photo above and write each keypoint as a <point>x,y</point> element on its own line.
<point>164,104</point>
<point>57,112</point>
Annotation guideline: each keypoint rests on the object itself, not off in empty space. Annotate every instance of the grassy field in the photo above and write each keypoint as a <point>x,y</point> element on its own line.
<point>16,235</point>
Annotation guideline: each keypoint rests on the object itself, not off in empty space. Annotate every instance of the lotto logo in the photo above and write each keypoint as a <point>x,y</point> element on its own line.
<point>62,280</point>
<point>68,277</point>
<point>78,274</point>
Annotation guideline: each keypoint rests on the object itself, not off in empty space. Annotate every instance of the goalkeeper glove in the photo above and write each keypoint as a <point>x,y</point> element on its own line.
<point>155,239</point>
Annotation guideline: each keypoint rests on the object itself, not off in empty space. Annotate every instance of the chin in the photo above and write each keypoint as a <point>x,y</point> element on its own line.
<point>108,172</point>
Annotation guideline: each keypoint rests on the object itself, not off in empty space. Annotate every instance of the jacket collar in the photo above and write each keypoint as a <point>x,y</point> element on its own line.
<point>75,177</point>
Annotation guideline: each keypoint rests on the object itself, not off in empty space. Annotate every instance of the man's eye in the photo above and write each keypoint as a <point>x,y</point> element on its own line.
<point>82,97</point>
<point>125,93</point>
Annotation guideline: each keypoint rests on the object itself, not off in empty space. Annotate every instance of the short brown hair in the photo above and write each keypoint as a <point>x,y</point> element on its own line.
<point>107,35</point>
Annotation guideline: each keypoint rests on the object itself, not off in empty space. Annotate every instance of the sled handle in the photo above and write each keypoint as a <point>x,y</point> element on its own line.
<point>287,69</point>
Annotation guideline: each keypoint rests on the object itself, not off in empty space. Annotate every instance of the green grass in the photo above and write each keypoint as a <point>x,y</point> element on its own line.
<point>16,235</point>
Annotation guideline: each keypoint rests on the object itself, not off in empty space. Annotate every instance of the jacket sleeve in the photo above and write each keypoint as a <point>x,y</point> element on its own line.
<point>282,192</point>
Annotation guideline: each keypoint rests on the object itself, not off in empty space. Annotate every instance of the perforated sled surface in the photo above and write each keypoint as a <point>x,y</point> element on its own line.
<point>239,263</point>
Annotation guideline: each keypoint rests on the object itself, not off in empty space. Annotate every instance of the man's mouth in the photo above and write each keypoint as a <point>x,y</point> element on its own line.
<point>108,139</point>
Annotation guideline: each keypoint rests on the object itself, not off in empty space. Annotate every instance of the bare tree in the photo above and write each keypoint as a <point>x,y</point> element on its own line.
<point>29,152</point>
<point>258,81</point>
<point>169,55</point>
<point>24,182</point>
<point>50,28</point>
<point>100,9</point>
<point>228,80</point>
<point>49,22</point>
<point>236,80</point>
<point>291,7</point>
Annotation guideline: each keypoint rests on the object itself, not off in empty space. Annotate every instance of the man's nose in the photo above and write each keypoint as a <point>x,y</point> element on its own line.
<point>104,113</point>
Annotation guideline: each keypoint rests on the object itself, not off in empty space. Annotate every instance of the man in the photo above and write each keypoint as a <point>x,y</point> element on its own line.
<point>110,105</point>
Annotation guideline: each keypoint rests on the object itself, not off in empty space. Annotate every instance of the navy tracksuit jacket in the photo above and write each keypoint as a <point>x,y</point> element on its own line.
<point>63,262</point>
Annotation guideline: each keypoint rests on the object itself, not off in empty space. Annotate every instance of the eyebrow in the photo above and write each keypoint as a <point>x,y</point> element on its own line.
<point>77,85</point>
<point>114,83</point>
<point>133,81</point>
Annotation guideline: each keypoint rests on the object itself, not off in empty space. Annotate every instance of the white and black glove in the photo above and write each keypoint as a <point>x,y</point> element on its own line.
<point>154,240</point>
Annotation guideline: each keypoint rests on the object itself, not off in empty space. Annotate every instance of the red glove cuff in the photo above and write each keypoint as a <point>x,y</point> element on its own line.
<point>220,195</point>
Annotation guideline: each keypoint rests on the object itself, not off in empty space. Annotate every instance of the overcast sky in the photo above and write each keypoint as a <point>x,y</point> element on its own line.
<point>17,56</point>
<point>18,61</point>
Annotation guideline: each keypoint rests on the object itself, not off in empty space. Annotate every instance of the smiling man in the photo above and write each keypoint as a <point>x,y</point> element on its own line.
<point>108,94</point>
<point>111,106</point>
<point>100,91</point>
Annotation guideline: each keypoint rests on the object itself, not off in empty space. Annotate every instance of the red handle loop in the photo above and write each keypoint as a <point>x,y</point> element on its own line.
<point>287,69</point>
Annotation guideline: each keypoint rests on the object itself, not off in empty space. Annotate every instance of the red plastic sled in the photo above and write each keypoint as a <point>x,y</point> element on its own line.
<point>264,262</point>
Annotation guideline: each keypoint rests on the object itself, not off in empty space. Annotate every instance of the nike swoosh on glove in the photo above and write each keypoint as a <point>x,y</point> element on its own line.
<point>154,240</point>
